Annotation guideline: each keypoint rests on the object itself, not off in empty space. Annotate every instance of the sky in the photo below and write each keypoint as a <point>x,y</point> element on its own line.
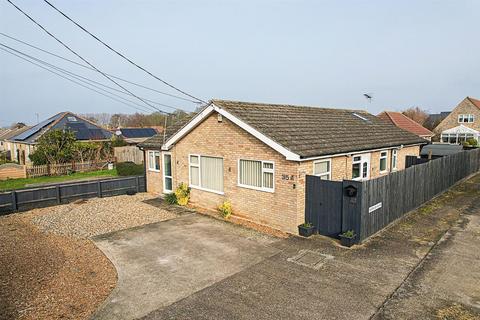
<point>320,53</point>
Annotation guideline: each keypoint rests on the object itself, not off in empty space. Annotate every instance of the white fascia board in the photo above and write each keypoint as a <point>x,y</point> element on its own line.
<point>289,155</point>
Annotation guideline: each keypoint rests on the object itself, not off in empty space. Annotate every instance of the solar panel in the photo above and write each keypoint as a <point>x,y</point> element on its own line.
<point>30,132</point>
<point>138,132</point>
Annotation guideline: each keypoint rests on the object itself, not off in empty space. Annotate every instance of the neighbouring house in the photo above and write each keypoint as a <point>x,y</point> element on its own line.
<point>7,134</point>
<point>133,136</point>
<point>257,156</point>
<point>402,121</point>
<point>23,144</point>
<point>461,124</point>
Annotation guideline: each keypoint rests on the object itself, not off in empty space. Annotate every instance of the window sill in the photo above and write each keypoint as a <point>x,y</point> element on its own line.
<point>383,172</point>
<point>153,170</point>
<point>256,188</point>
<point>207,190</point>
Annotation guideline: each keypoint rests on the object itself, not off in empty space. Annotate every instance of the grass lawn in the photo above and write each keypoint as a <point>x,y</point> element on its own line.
<point>21,183</point>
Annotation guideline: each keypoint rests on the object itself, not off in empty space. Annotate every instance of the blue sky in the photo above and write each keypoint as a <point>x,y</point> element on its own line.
<point>323,53</point>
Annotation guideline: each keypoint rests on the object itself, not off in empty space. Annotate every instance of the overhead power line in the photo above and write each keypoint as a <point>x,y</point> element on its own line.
<point>120,54</point>
<point>79,56</point>
<point>78,83</point>
<point>89,68</point>
<point>85,79</point>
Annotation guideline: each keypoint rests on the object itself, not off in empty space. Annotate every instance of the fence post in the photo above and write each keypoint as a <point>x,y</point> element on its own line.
<point>14,201</point>
<point>57,189</point>
<point>99,187</point>
<point>138,183</point>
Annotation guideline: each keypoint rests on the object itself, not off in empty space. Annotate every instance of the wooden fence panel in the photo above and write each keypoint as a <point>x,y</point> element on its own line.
<point>64,168</point>
<point>12,171</point>
<point>403,191</point>
<point>46,196</point>
<point>128,153</point>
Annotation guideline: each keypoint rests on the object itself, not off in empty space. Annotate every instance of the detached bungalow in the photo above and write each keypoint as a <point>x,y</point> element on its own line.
<point>257,156</point>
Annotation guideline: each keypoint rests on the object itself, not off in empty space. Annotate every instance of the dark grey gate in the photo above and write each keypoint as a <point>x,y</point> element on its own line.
<point>323,205</point>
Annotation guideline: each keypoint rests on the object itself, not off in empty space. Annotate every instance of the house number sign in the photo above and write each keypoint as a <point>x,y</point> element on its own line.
<point>288,177</point>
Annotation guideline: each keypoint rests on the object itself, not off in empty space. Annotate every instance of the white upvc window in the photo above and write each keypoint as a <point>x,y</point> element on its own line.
<point>394,159</point>
<point>323,169</point>
<point>466,118</point>
<point>206,173</point>
<point>383,161</point>
<point>256,174</point>
<point>154,161</point>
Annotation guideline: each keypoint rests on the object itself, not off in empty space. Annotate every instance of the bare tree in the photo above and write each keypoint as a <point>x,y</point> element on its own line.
<point>416,114</point>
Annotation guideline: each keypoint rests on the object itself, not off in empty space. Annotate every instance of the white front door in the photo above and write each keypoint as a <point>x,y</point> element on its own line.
<point>361,166</point>
<point>167,173</point>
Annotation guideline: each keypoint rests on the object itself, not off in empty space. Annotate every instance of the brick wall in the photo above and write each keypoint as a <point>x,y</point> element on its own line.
<point>451,121</point>
<point>282,209</point>
<point>228,141</point>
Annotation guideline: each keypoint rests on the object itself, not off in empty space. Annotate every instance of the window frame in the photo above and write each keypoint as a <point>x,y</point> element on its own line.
<point>469,117</point>
<point>329,173</point>
<point>199,187</point>
<point>153,169</point>
<point>380,162</point>
<point>264,170</point>
<point>394,165</point>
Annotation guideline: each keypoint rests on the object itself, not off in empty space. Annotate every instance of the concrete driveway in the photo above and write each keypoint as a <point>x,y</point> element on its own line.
<point>161,263</point>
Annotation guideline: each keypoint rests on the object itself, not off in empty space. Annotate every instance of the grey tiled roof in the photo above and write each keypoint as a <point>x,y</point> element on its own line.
<point>312,131</point>
<point>157,140</point>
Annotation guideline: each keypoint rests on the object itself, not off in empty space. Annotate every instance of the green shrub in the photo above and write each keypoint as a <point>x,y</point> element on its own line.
<point>307,225</point>
<point>129,169</point>
<point>349,234</point>
<point>225,209</point>
<point>182,194</point>
<point>171,198</point>
<point>471,143</point>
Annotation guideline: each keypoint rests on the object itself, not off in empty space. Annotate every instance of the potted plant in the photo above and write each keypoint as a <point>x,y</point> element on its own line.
<point>306,229</point>
<point>347,238</point>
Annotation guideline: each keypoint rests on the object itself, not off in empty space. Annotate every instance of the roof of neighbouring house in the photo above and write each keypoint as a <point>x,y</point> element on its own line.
<point>9,133</point>
<point>136,132</point>
<point>474,101</point>
<point>157,140</point>
<point>82,128</point>
<point>402,121</point>
<point>441,149</point>
<point>311,131</point>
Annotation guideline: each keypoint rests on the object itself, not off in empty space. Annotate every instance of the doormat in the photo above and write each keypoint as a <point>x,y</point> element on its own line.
<point>311,259</point>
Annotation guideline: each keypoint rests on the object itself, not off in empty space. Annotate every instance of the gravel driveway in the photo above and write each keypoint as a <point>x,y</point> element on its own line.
<point>87,218</point>
<point>50,269</point>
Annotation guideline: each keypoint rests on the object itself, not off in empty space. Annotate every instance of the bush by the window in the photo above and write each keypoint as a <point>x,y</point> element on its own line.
<point>171,198</point>
<point>129,169</point>
<point>225,209</point>
<point>182,194</point>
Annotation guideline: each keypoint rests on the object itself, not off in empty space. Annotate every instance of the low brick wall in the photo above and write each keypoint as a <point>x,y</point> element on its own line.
<point>12,171</point>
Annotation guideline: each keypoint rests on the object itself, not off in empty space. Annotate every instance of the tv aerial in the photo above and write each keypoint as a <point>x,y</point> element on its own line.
<point>368,96</point>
